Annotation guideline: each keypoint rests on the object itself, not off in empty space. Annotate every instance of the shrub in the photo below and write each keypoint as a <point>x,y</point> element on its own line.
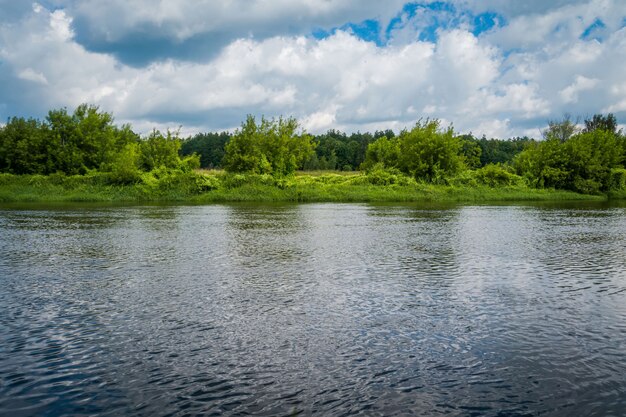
<point>466,178</point>
<point>494,175</point>
<point>125,166</point>
<point>379,175</point>
<point>587,186</point>
<point>235,180</point>
<point>6,179</point>
<point>618,179</point>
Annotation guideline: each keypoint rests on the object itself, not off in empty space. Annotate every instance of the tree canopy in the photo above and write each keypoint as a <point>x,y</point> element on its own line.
<point>274,146</point>
<point>426,152</point>
<point>584,162</point>
<point>84,140</point>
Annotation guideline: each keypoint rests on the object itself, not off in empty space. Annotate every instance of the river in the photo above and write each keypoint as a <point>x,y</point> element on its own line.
<point>318,309</point>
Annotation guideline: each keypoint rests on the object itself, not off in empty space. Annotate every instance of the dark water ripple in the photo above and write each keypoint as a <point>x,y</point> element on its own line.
<point>313,309</point>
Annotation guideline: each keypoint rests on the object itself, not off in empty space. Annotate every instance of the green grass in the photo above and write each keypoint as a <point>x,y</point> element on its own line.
<point>216,186</point>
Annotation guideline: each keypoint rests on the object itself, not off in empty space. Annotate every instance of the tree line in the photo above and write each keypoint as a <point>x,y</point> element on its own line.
<point>338,151</point>
<point>84,141</point>
<point>590,159</point>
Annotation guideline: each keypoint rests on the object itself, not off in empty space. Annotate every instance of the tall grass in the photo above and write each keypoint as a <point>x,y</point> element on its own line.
<point>203,187</point>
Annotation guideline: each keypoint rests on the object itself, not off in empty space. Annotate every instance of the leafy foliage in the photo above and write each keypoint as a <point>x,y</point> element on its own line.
<point>160,150</point>
<point>496,176</point>
<point>607,123</point>
<point>84,141</point>
<point>210,147</point>
<point>583,163</point>
<point>25,147</point>
<point>498,151</point>
<point>272,147</point>
<point>67,146</point>
<point>382,152</point>
<point>426,152</point>
<point>125,166</point>
<point>471,151</point>
<point>560,130</point>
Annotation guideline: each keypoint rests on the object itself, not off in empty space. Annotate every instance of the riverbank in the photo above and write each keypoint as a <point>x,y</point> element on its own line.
<point>210,187</point>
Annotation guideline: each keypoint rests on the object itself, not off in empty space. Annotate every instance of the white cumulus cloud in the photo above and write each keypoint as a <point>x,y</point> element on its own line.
<point>508,81</point>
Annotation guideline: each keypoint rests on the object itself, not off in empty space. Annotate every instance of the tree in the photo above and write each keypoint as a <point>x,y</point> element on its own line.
<point>86,139</point>
<point>606,123</point>
<point>159,150</point>
<point>68,157</point>
<point>425,152</point>
<point>471,151</point>
<point>210,147</point>
<point>562,130</point>
<point>125,166</point>
<point>382,151</point>
<point>583,163</point>
<point>499,151</point>
<point>275,146</point>
<point>24,147</point>
<point>430,153</point>
<point>591,156</point>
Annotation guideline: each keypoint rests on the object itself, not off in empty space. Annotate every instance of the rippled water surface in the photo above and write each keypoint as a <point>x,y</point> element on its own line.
<point>315,309</point>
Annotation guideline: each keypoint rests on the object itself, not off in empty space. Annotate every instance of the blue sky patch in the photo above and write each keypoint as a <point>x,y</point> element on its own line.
<point>368,30</point>
<point>426,19</point>
<point>486,21</point>
<point>433,17</point>
<point>593,31</point>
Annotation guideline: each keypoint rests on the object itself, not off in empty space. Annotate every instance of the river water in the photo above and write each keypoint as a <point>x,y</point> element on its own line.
<point>324,309</point>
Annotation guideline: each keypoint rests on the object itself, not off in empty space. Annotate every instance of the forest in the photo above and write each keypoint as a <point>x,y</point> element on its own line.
<point>587,158</point>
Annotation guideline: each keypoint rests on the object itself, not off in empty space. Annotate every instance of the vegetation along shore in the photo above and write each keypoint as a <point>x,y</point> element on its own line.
<point>84,157</point>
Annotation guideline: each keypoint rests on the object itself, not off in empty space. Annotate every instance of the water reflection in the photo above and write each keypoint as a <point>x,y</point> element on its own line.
<point>324,308</point>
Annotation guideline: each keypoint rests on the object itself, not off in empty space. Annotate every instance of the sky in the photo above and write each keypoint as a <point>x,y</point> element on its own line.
<point>500,68</point>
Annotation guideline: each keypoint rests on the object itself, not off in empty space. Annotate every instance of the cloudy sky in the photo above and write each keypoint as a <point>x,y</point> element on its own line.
<point>496,67</point>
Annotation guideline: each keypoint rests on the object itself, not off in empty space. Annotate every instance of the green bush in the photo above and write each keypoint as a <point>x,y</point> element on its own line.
<point>331,179</point>
<point>465,178</point>
<point>618,179</point>
<point>125,166</point>
<point>379,175</point>
<point>581,162</point>
<point>190,163</point>
<point>164,180</point>
<point>494,175</point>
<point>57,178</point>
<point>6,179</point>
<point>587,186</point>
<point>159,150</point>
<point>235,180</point>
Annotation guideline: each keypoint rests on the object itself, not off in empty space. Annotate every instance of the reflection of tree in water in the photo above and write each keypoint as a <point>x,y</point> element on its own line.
<point>68,218</point>
<point>265,236</point>
<point>42,240</point>
<point>267,275</point>
<point>57,267</point>
<point>420,240</point>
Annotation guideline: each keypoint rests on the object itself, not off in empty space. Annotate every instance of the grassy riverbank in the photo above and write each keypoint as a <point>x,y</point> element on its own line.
<point>207,187</point>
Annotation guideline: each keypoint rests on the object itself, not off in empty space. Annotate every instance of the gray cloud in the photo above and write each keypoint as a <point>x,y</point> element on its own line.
<point>14,10</point>
<point>515,8</point>
<point>141,31</point>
